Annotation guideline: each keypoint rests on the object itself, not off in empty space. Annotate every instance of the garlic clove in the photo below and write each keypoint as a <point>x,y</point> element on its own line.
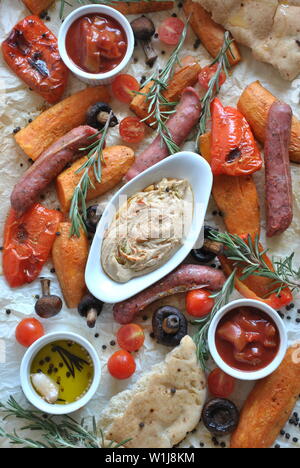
<point>46,387</point>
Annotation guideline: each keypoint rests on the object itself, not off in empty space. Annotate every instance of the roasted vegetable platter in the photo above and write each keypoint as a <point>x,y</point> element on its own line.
<point>100,136</point>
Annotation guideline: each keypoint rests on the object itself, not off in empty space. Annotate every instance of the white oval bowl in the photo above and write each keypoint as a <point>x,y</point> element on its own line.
<point>240,374</point>
<point>94,78</point>
<point>184,165</point>
<point>31,394</point>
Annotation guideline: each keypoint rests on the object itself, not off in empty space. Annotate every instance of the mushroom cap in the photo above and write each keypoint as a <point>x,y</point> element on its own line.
<point>171,338</point>
<point>89,302</point>
<point>220,416</point>
<point>98,114</point>
<point>48,306</point>
<point>143,28</point>
<point>92,218</point>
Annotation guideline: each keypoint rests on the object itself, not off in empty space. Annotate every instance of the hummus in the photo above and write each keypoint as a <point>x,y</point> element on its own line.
<point>147,230</point>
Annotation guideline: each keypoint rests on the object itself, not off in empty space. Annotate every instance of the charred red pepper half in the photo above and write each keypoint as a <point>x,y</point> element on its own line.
<point>28,242</point>
<point>31,51</point>
<point>234,150</point>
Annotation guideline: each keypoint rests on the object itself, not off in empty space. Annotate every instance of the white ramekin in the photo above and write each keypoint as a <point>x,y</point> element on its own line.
<point>92,78</point>
<point>236,373</point>
<point>31,393</point>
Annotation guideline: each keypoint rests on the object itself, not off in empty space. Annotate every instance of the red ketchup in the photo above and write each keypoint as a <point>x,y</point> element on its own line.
<point>96,43</point>
<point>247,339</point>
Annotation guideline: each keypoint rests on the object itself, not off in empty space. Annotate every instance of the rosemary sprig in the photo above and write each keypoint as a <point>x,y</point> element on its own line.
<point>214,84</point>
<point>160,108</point>
<point>63,3</point>
<point>62,432</point>
<point>94,160</point>
<point>249,257</point>
<point>200,338</point>
<point>71,360</point>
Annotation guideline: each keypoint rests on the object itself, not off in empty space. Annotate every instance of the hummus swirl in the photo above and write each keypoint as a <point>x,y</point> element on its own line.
<point>148,230</point>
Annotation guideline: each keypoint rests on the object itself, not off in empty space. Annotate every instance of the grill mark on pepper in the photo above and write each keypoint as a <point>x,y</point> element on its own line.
<point>40,66</point>
<point>17,39</point>
<point>22,234</point>
<point>233,155</point>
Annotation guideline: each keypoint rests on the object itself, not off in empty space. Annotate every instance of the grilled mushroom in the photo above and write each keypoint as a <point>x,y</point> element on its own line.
<point>92,218</point>
<point>210,249</point>
<point>48,305</point>
<point>220,416</point>
<point>91,308</point>
<point>144,29</point>
<point>169,326</point>
<point>98,115</point>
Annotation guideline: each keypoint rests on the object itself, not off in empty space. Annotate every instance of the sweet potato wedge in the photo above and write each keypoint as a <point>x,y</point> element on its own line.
<point>69,255</point>
<point>210,33</point>
<point>118,160</point>
<point>269,405</point>
<point>37,6</point>
<point>135,8</point>
<point>236,198</point>
<point>58,120</point>
<point>254,104</point>
<point>186,76</point>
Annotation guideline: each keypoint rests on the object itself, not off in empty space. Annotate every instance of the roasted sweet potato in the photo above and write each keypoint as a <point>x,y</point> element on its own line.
<point>37,6</point>
<point>254,104</point>
<point>186,76</point>
<point>135,8</point>
<point>118,160</point>
<point>210,33</point>
<point>69,256</point>
<point>236,198</point>
<point>269,405</point>
<point>58,120</point>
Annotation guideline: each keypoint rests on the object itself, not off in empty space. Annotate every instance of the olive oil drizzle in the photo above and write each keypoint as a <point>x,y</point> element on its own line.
<point>71,360</point>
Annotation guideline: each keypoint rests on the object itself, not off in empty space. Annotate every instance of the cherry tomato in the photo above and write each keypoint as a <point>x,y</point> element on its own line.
<point>220,384</point>
<point>28,331</point>
<point>132,130</point>
<point>131,337</point>
<point>170,31</point>
<point>121,365</point>
<point>199,303</point>
<point>206,75</point>
<point>124,87</point>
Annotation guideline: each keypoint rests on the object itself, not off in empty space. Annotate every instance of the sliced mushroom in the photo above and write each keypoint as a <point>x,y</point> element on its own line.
<point>220,416</point>
<point>169,326</point>
<point>90,307</point>
<point>144,29</point>
<point>48,305</point>
<point>98,115</point>
<point>210,249</point>
<point>92,219</point>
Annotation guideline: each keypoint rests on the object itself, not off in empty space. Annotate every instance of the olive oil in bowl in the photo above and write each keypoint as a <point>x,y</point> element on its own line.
<point>68,368</point>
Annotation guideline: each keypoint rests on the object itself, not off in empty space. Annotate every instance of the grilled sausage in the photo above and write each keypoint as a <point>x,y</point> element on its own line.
<point>279,195</point>
<point>48,166</point>
<point>185,278</point>
<point>180,126</point>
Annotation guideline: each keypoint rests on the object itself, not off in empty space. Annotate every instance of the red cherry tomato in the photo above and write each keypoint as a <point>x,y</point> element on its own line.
<point>220,384</point>
<point>124,87</point>
<point>132,130</point>
<point>130,337</point>
<point>121,365</point>
<point>28,331</point>
<point>170,31</point>
<point>199,303</point>
<point>206,75</point>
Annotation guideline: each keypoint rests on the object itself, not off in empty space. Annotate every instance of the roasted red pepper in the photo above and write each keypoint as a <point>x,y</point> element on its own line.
<point>258,287</point>
<point>27,243</point>
<point>234,150</point>
<point>31,51</point>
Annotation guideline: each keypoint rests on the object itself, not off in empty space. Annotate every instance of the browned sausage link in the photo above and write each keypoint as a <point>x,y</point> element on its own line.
<point>48,166</point>
<point>185,278</point>
<point>279,195</point>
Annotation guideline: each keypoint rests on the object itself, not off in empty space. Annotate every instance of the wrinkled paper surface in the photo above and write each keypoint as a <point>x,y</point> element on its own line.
<point>17,105</point>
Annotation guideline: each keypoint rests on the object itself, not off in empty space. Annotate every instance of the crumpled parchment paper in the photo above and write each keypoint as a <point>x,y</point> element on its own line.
<point>17,105</point>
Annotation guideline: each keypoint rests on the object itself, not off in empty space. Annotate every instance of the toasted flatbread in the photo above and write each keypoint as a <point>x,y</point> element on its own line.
<point>163,406</point>
<point>269,27</point>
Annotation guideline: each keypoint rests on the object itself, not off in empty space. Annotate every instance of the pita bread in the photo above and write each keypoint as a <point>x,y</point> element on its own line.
<point>163,406</point>
<point>271,28</point>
